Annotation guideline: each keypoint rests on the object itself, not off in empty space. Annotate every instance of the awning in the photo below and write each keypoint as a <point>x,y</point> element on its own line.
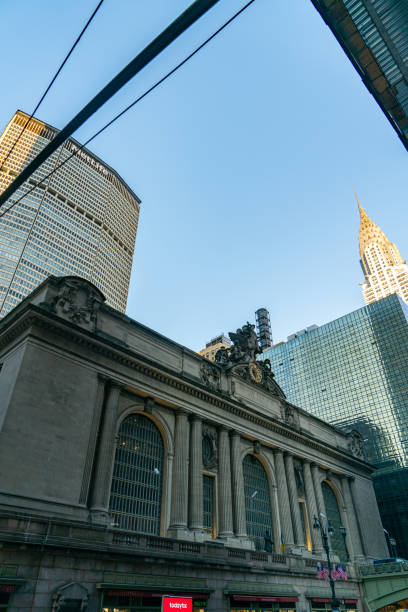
<point>153,593</point>
<point>263,598</point>
<point>328,600</point>
<point>323,594</point>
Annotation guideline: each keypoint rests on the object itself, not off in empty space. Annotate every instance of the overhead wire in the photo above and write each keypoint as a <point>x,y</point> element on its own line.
<point>52,82</point>
<point>127,108</point>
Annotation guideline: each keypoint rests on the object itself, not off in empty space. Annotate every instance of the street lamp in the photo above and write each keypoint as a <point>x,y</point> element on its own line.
<point>343,533</point>
<point>325,537</point>
<point>393,544</point>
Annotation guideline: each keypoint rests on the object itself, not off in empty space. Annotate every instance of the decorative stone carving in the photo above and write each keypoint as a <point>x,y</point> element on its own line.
<point>210,375</point>
<point>72,596</point>
<point>149,404</point>
<point>299,479</point>
<point>240,359</point>
<point>257,447</point>
<point>290,416</point>
<point>245,344</point>
<point>356,444</point>
<point>78,301</point>
<point>210,448</point>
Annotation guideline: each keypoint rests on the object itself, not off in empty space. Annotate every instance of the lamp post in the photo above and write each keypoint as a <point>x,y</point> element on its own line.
<point>393,544</point>
<point>325,537</point>
<point>343,533</point>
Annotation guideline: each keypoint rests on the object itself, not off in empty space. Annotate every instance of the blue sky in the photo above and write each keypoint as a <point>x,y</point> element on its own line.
<point>245,160</point>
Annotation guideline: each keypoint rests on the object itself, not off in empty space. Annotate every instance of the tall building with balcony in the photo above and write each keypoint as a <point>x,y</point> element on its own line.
<point>384,269</point>
<point>353,373</point>
<point>374,35</point>
<point>81,221</point>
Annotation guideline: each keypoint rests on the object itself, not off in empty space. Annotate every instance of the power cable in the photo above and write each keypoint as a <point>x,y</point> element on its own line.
<point>125,110</point>
<point>51,83</point>
<point>196,10</point>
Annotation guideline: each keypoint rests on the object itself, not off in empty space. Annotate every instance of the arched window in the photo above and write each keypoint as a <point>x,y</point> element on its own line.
<point>333,514</point>
<point>257,501</point>
<point>135,499</point>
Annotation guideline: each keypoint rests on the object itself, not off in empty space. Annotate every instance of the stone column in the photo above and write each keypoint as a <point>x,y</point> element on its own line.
<point>321,508</point>
<point>354,534</point>
<point>224,484</point>
<point>106,449</point>
<point>179,492</point>
<point>283,499</point>
<point>238,494</point>
<point>196,474</point>
<point>312,507</point>
<point>294,500</point>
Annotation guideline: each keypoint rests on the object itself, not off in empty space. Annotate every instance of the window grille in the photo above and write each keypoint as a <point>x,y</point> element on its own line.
<point>208,505</point>
<point>257,501</point>
<point>136,492</point>
<point>333,515</point>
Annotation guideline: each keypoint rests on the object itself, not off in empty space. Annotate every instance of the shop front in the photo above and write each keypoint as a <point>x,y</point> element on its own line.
<point>115,600</point>
<point>251,603</point>
<point>321,604</point>
<point>260,597</point>
<point>119,600</point>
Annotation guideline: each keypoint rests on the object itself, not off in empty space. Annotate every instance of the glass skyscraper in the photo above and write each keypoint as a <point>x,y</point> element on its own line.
<point>353,372</point>
<point>374,35</point>
<point>82,221</point>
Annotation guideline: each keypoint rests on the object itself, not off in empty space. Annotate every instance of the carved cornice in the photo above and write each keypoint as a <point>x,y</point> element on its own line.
<point>129,358</point>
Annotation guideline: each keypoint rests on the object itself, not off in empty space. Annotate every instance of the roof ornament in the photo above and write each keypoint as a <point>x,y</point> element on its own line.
<point>240,359</point>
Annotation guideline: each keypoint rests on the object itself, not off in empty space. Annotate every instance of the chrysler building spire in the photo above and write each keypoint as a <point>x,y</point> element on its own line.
<point>384,269</point>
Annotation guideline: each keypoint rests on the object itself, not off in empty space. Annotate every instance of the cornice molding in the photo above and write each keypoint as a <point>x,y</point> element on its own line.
<point>35,315</point>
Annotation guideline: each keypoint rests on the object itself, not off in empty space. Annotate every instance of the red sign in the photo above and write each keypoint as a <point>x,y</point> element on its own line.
<point>177,604</point>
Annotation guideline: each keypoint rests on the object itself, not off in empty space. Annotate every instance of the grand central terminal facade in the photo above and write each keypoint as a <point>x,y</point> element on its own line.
<point>132,467</point>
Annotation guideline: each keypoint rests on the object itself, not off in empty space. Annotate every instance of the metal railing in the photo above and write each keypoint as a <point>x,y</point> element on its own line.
<point>383,568</point>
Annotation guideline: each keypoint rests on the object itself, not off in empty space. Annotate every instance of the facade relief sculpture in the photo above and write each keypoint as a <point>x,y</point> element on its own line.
<point>77,300</point>
<point>240,359</point>
<point>210,448</point>
<point>210,375</point>
<point>356,444</point>
<point>290,416</point>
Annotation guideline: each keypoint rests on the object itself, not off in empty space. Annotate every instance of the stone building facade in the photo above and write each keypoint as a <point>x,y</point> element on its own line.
<point>131,467</point>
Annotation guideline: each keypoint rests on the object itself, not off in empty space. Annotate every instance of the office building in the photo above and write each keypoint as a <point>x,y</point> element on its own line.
<point>374,35</point>
<point>384,269</point>
<point>211,347</point>
<point>353,372</point>
<point>131,467</point>
<point>82,220</point>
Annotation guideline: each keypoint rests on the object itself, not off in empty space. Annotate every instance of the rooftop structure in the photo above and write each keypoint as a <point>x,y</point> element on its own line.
<point>263,328</point>
<point>211,347</point>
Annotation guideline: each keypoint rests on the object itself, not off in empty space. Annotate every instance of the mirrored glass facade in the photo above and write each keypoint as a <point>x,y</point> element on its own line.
<point>353,372</point>
<point>82,221</point>
<point>374,34</point>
